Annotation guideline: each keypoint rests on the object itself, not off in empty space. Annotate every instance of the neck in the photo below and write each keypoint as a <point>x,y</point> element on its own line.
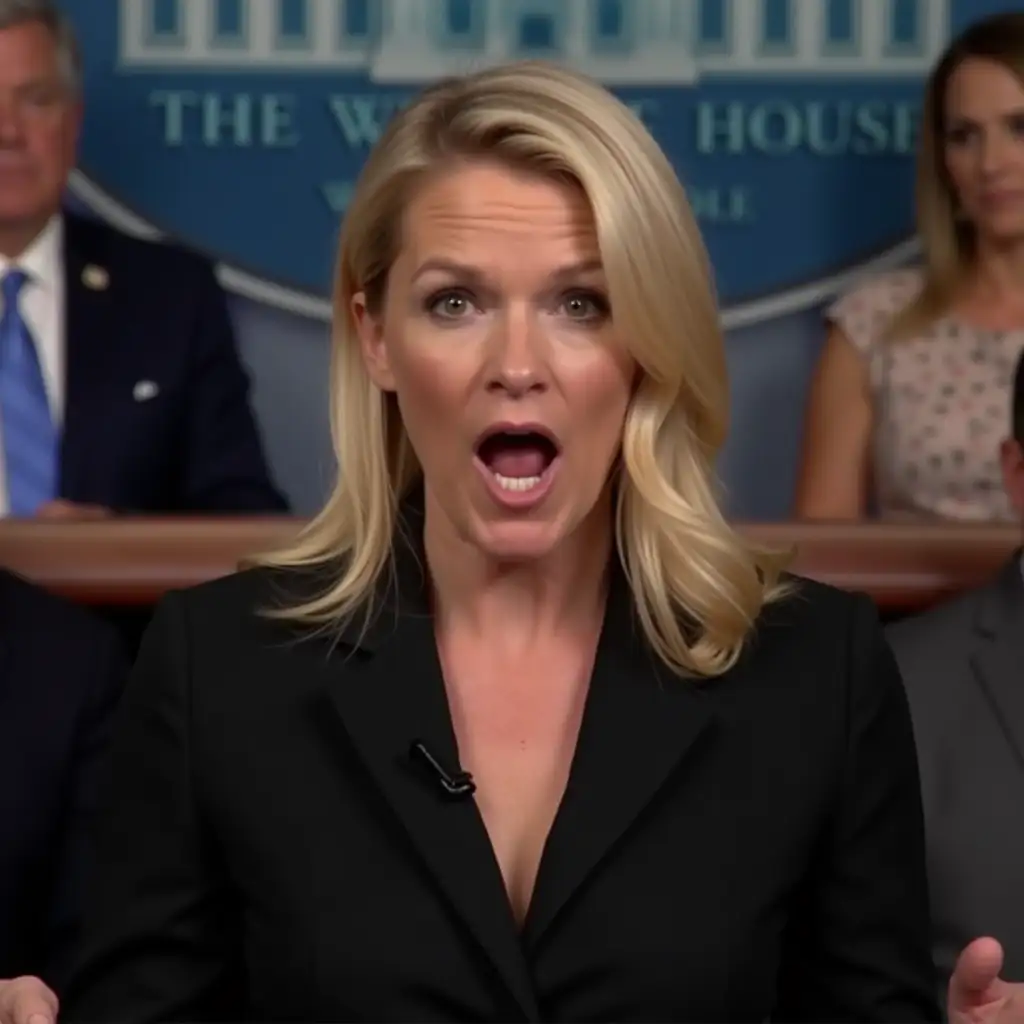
<point>521,602</point>
<point>17,236</point>
<point>1000,269</point>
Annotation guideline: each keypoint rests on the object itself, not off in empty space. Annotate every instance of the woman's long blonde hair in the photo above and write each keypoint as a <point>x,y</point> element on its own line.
<point>698,586</point>
<point>947,241</point>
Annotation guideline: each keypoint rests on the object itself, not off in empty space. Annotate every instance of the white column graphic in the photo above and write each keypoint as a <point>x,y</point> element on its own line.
<point>262,23</point>
<point>578,14</point>
<point>686,23</point>
<point>745,19</point>
<point>496,32</point>
<point>665,36</point>
<point>135,20</point>
<point>409,51</point>
<point>323,27</point>
<point>662,53</point>
<point>809,26</point>
<point>935,14</point>
<point>872,20</point>
<point>661,21</point>
<point>197,21</point>
<point>408,23</point>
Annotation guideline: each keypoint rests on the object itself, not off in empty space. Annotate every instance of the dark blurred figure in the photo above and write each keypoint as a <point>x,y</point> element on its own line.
<point>963,665</point>
<point>121,389</point>
<point>61,672</point>
<point>909,400</point>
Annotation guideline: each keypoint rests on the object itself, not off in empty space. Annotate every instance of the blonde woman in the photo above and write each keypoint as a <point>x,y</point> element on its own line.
<point>519,729</point>
<point>908,406</point>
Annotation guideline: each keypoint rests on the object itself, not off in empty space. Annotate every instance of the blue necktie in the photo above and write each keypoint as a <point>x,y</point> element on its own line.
<point>29,434</point>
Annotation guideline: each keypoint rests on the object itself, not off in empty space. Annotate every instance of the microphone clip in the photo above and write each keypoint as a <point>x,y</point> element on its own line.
<point>454,785</point>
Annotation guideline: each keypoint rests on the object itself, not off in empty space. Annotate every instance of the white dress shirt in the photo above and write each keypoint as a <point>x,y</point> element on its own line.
<point>42,307</point>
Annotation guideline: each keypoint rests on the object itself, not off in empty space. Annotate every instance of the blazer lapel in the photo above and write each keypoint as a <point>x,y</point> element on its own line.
<point>7,675</point>
<point>639,723</point>
<point>391,695</point>
<point>88,329</point>
<point>998,655</point>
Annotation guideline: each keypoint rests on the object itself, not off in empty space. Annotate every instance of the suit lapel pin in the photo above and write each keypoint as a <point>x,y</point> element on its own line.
<point>95,277</point>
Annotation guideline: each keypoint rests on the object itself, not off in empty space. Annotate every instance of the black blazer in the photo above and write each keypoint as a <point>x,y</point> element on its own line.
<point>61,672</point>
<point>160,317</point>
<point>725,851</point>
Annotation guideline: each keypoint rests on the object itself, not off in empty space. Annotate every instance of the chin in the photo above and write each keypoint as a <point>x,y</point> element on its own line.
<point>1008,228</point>
<point>12,209</point>
<point>17,211</point>
<point>524,541</point>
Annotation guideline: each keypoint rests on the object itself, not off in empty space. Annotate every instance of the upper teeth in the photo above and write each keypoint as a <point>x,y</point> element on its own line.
<point>516,483</point>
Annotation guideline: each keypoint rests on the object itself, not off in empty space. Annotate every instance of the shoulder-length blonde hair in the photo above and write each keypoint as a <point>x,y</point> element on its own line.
<point>946,240</point>
<point>686,566</point>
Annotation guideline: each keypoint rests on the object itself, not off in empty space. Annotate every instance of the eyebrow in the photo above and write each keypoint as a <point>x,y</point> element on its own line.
<point>1006,115</point>
<point>471,273</point>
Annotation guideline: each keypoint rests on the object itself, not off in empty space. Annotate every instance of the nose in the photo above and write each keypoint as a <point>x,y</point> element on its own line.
<point>518,363</point>
<point>994,151</point>
<point>10,121</point>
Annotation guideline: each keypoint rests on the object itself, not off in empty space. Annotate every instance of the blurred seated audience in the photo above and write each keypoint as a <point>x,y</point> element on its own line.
<point>61,672</point>
<point>121,389</point>
<point>909,399</point>
<point>963,666</point>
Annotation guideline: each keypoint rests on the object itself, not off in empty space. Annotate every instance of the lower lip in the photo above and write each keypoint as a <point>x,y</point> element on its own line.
<point>519,500</point>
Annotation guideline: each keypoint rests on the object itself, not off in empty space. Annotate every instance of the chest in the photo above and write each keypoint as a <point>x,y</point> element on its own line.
<point>942,408</point>
<point>517,735</point>
<point>948,381</point>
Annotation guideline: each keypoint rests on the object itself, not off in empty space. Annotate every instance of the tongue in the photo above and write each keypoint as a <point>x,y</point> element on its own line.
<point>518,462</point>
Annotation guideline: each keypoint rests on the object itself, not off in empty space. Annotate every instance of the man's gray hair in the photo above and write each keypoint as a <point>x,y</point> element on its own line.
<point>56,22</point>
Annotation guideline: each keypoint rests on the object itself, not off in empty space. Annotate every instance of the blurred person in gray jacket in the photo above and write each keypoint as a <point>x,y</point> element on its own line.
<point>963,666</point>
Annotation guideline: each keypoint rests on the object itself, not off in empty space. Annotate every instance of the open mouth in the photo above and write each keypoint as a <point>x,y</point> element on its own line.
<point>517,458</point>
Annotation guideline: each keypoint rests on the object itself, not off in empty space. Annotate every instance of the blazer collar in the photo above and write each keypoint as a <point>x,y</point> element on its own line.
<point>639,725</point>
<point>997,657</point>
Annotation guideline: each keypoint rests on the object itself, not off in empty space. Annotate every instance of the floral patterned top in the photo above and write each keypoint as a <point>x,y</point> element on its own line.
<point>941,405</point>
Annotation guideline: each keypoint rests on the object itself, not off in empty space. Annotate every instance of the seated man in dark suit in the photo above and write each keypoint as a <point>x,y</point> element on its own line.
<point>963,667</point>
<point>120,385</point>
<point>61,672</point>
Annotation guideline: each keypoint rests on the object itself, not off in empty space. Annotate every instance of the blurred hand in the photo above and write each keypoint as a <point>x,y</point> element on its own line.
<point>27,1001</point>
<point>62,509</point>
<point>977,995</point>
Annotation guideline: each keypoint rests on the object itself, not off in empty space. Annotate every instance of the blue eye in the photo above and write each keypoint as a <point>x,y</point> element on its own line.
<point>449,305</point>
<point>585,306</point>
